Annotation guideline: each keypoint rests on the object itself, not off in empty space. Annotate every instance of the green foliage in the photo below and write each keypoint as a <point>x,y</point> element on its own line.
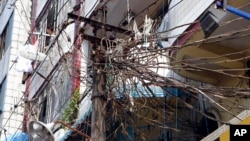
<point>70,113</point>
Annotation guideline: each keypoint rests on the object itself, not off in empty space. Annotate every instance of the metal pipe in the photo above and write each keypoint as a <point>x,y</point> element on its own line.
<point>42,34</point>
<point>238,12</point>
<point>233,10</point>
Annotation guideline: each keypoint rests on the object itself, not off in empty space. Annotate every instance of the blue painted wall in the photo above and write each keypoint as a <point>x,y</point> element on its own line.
<point>3,76</point>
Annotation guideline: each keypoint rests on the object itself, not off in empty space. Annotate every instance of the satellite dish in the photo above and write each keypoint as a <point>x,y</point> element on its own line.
<point>40,131</point>
<point>28,51</point>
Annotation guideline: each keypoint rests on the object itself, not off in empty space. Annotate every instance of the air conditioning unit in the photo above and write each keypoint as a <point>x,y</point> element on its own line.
<point>210,20</point>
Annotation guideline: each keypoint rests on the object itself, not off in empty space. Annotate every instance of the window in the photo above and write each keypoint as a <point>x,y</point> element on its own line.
<point>48,105</point>
<point>43,109</point>
<point>52,103</point>
<point>3,47</point>
<point>47,26</point>
<point>51,18</point>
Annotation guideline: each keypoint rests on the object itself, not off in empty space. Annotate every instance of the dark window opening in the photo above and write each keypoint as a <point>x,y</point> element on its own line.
<point>2,85</point>
<point>3,47</point>
<point>47,26</point>
<point>43,110</point>
<point>51,21</point>
<point>51,18</point>
<point>206,126</point>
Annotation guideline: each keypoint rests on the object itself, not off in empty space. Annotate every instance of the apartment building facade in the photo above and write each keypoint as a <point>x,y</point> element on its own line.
<point>14,31</point>
<point>69,33</point>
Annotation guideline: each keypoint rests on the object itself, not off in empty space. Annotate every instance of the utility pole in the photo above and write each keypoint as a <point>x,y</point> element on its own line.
<point>99,96</point>
<point>98,127</point>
